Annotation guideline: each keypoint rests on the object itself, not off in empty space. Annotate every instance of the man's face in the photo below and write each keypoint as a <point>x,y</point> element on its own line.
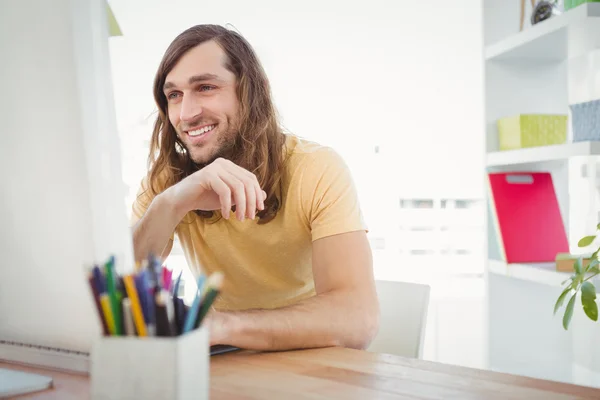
<point>202,102</point>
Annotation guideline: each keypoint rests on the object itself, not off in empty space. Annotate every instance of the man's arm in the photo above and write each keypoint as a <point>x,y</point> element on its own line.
<point>216,186</point>
<point>345,311</point>
<point>152,233</point>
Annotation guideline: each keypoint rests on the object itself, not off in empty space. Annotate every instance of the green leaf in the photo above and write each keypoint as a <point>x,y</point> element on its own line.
<point>566,280</point>
<point>569,312</point>
<point>598,226</point>
<point>594,262</point>
<point>590,308</point>
<point>561,299</point>
<point>575,281</point>
<point>586,241</point>
<point>588,291</point>
<point>594,270</point>
<point>578,266</point>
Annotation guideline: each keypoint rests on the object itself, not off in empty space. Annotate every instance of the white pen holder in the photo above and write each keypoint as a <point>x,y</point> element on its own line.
<point>133,368</point>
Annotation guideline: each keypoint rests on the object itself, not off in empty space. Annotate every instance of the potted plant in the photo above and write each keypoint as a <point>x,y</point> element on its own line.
<point>579,283</point>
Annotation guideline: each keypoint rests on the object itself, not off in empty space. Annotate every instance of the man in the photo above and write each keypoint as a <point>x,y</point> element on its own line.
<point>278,215</point>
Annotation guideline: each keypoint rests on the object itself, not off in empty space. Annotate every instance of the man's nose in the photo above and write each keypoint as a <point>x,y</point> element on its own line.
<point>190,109</point>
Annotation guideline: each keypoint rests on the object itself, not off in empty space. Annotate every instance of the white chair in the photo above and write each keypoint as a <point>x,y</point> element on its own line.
<point>403,318</point>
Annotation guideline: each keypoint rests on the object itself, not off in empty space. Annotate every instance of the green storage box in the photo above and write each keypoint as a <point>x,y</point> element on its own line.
<point>531,130</point>
<point>574,3</point>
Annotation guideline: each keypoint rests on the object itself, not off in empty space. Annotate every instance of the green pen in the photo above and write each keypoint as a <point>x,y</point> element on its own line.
<point>213,288</point>
<point>112,295</point>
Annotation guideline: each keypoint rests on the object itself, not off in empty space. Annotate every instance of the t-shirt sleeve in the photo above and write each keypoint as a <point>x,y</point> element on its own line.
<point>142,202</point>
<point>329,197</point>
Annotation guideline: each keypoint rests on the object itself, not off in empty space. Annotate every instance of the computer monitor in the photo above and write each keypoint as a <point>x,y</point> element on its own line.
<point>62,203</point>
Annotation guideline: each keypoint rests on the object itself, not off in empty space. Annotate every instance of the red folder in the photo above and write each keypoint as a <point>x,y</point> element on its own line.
<point>527,216</point>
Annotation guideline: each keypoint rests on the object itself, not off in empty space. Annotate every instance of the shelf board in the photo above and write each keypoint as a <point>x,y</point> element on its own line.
<point>547,40</point>
<point>544,273</point>
<point>556,152</point>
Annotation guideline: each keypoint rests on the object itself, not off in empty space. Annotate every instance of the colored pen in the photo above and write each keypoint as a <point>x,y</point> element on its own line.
<point>155,274</point>
<point>175,290</point>
<point>191,315</point>
<point>106,308</point>
<point>213,288</point>
<point>178,305</point>
<point>167,275</point>
<point>105,304</point>
<point>127,318</point>
<point>164,315</point>
<point>136,308</point>
<point>96,294</point>
<point>149,294</point>
<point>180,312</point>
<point>104,300</point>
<point>112,295</point>
<point>140,288</point>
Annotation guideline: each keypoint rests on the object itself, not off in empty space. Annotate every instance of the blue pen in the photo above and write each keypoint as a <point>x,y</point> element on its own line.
<point>149,293</point>
<point>98,280</point>
<point>175,288</point>
<point>193,312</point>
<point>140,288</point>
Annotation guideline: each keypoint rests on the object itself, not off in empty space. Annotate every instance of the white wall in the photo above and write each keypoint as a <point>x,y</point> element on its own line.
<point>406,76</point>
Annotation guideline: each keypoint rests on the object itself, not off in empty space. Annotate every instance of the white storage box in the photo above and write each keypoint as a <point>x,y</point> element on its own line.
<point>151,368</point>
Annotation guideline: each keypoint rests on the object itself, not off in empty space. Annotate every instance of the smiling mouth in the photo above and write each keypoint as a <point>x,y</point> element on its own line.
<point>201,131</point>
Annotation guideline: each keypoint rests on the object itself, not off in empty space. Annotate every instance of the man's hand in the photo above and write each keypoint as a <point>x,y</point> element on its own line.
<point>220,185</point>
<point>345,311</point>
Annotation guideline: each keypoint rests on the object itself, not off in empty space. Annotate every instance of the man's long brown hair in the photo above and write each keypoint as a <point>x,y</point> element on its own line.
<point>259,144</point>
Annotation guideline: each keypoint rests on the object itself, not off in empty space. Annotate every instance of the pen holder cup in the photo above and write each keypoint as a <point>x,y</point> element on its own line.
<point>149,368</point>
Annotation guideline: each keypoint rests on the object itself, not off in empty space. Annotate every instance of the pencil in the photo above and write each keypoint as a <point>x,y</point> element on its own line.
<point>112,293</point>
<point>127,317</point>
<point>96,295</point>
<point>110,322</point>
<point>136,309</point>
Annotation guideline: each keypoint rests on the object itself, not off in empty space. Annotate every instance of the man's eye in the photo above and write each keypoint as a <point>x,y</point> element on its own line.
<point>204,88</point>
<point>172,95</point>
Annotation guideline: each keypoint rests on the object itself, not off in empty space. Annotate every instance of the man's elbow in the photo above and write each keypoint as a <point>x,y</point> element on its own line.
<point>367,324</point>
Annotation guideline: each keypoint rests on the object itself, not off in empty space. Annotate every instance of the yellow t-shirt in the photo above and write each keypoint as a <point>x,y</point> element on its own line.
<point>269,265</point>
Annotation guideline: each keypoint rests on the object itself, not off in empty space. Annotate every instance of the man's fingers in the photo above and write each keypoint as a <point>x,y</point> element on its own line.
<point>251,204</point>
<point>260,199</point>
<point>238,192</point>
<point>222,189</point>
<point>255,196</point>
<point>258,192</point>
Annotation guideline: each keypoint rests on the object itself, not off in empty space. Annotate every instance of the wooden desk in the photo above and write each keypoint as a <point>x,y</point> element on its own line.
<point>337,373</point>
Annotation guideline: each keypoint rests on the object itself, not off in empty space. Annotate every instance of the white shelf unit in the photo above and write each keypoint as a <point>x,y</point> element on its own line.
<point>540,70</point>
<point>533,155</point>
<point>553,40</point>
<point>544,273</point>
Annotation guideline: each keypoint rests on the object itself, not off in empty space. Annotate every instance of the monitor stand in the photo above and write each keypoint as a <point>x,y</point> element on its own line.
<point>13,383</point>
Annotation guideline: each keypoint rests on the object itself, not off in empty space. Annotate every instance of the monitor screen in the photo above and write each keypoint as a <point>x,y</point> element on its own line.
<point>62,203</point>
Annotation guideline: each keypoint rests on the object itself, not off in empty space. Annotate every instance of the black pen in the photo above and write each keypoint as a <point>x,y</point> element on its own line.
<point>164,314</point>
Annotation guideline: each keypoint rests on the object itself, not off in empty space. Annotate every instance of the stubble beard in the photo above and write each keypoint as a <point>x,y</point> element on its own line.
<point>223,149</point>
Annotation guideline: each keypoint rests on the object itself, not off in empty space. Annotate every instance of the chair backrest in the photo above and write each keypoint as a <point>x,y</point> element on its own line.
<point>403,318</point>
